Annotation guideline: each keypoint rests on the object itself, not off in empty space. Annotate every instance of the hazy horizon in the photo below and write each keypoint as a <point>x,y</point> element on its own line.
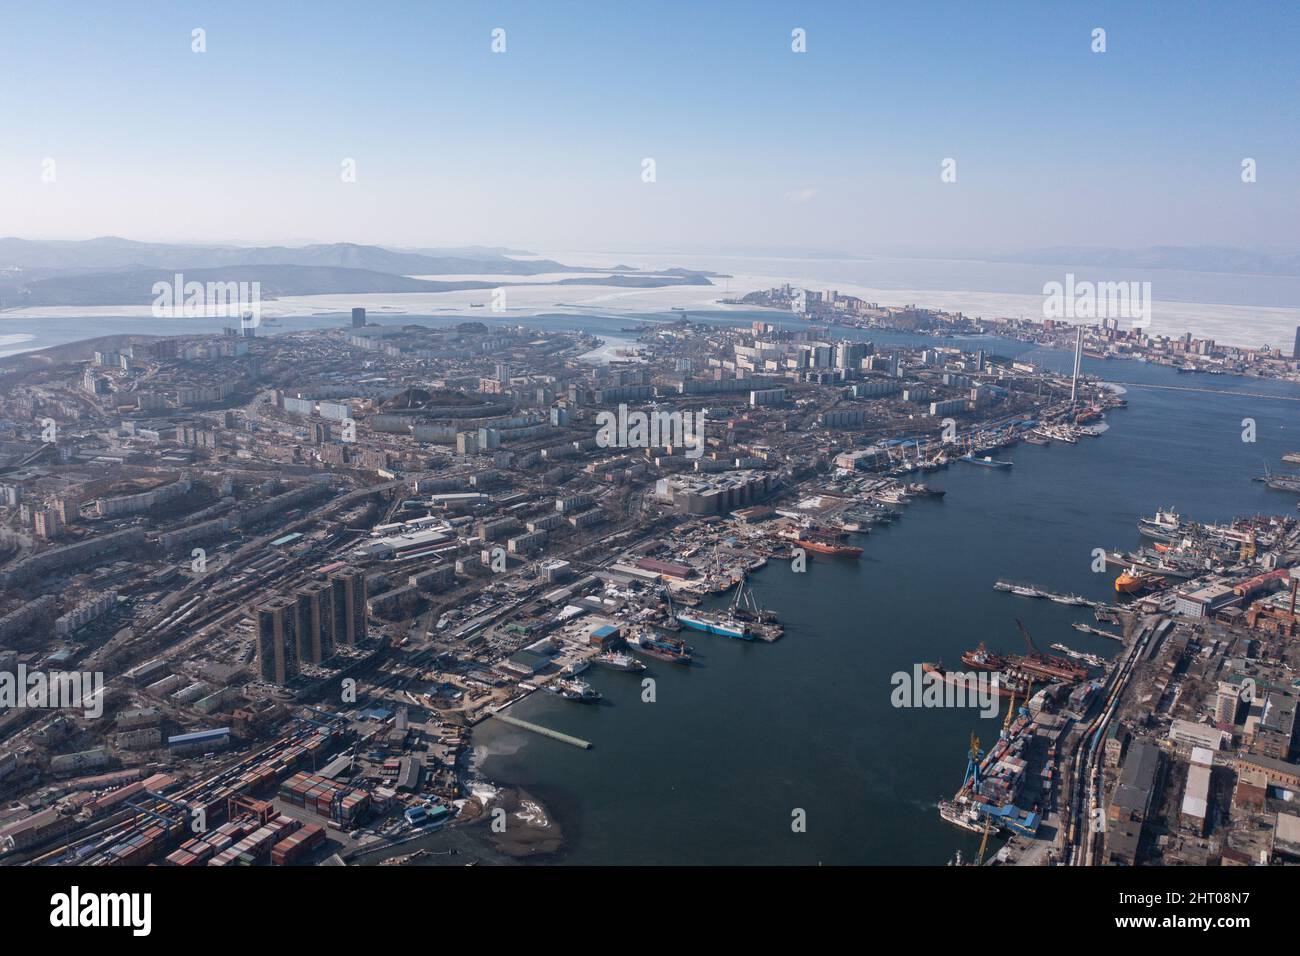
<point>122,129</point>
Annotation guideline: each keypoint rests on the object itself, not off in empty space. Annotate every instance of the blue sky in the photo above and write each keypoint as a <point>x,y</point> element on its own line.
<point>838,148</point>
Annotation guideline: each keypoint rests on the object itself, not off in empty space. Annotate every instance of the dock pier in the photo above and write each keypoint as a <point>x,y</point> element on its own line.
<point>1100,632</point>
<point>544,731</point>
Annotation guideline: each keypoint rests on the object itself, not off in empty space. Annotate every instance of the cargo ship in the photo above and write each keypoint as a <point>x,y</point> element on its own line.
<point>826,541</point>
<point>1008,685</point>
<point>1091,659</point>
<point>1036,666</point>
<point>924,491</point>
<point>993,782</point>
<point>964,816</point>
<point>664,649</point>
<point>983,659</point>
<point>1165,526</point>
<point>1289,483</point>
<point>616,660</point>
<point>1166,564</point>
<point>986,461</point>
<point>710,622</point>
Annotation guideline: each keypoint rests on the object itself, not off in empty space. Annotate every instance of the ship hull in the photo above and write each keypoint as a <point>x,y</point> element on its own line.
<point>671,657</point>
<point>723,629</point>
<point>954,816</point>
<point>836,550</point>
<point>631,665</point>
<point>1006,686</point>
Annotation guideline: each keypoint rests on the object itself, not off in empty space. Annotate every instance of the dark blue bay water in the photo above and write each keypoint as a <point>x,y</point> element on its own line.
<point>711,772</point>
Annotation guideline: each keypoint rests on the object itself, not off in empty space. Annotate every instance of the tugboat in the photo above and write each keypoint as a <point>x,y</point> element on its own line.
<point>1133,581</point>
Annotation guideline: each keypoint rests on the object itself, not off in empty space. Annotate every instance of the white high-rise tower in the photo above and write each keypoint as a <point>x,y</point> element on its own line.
<point>1078,360</point>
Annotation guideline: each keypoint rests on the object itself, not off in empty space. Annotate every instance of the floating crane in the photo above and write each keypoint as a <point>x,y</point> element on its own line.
<point>671,623</point>
<point>746,607</point>
<point>1029,641</point>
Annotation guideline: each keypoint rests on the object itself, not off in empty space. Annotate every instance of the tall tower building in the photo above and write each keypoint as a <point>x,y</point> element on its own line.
<point>1295,352</point>
<point>1226,702</point>
<point>1078,362</point>
<point>68,508</point>
<point>358,318</point>
<point>348,605</point>
<point>316,612</point>
<point>276,624</point>
<point>849,355</point>
<point>47,523</point>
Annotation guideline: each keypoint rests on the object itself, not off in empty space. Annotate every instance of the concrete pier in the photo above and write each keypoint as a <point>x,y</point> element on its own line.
<point>544,731</point>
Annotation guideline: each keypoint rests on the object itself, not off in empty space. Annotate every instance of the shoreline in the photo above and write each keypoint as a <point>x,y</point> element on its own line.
<point>531,834</point>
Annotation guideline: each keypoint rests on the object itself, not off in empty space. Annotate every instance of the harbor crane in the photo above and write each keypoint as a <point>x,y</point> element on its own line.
<point>973,764</point>
<point>1029,641</point>
<point>672,611</point>
<point>984,842</point>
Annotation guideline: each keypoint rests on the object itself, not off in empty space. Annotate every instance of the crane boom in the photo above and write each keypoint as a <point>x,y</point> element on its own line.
<point>1029,641</point>
<point>984,841</point>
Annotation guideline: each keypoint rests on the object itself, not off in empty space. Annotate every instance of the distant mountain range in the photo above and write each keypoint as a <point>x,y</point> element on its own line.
<point>113,271</point>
